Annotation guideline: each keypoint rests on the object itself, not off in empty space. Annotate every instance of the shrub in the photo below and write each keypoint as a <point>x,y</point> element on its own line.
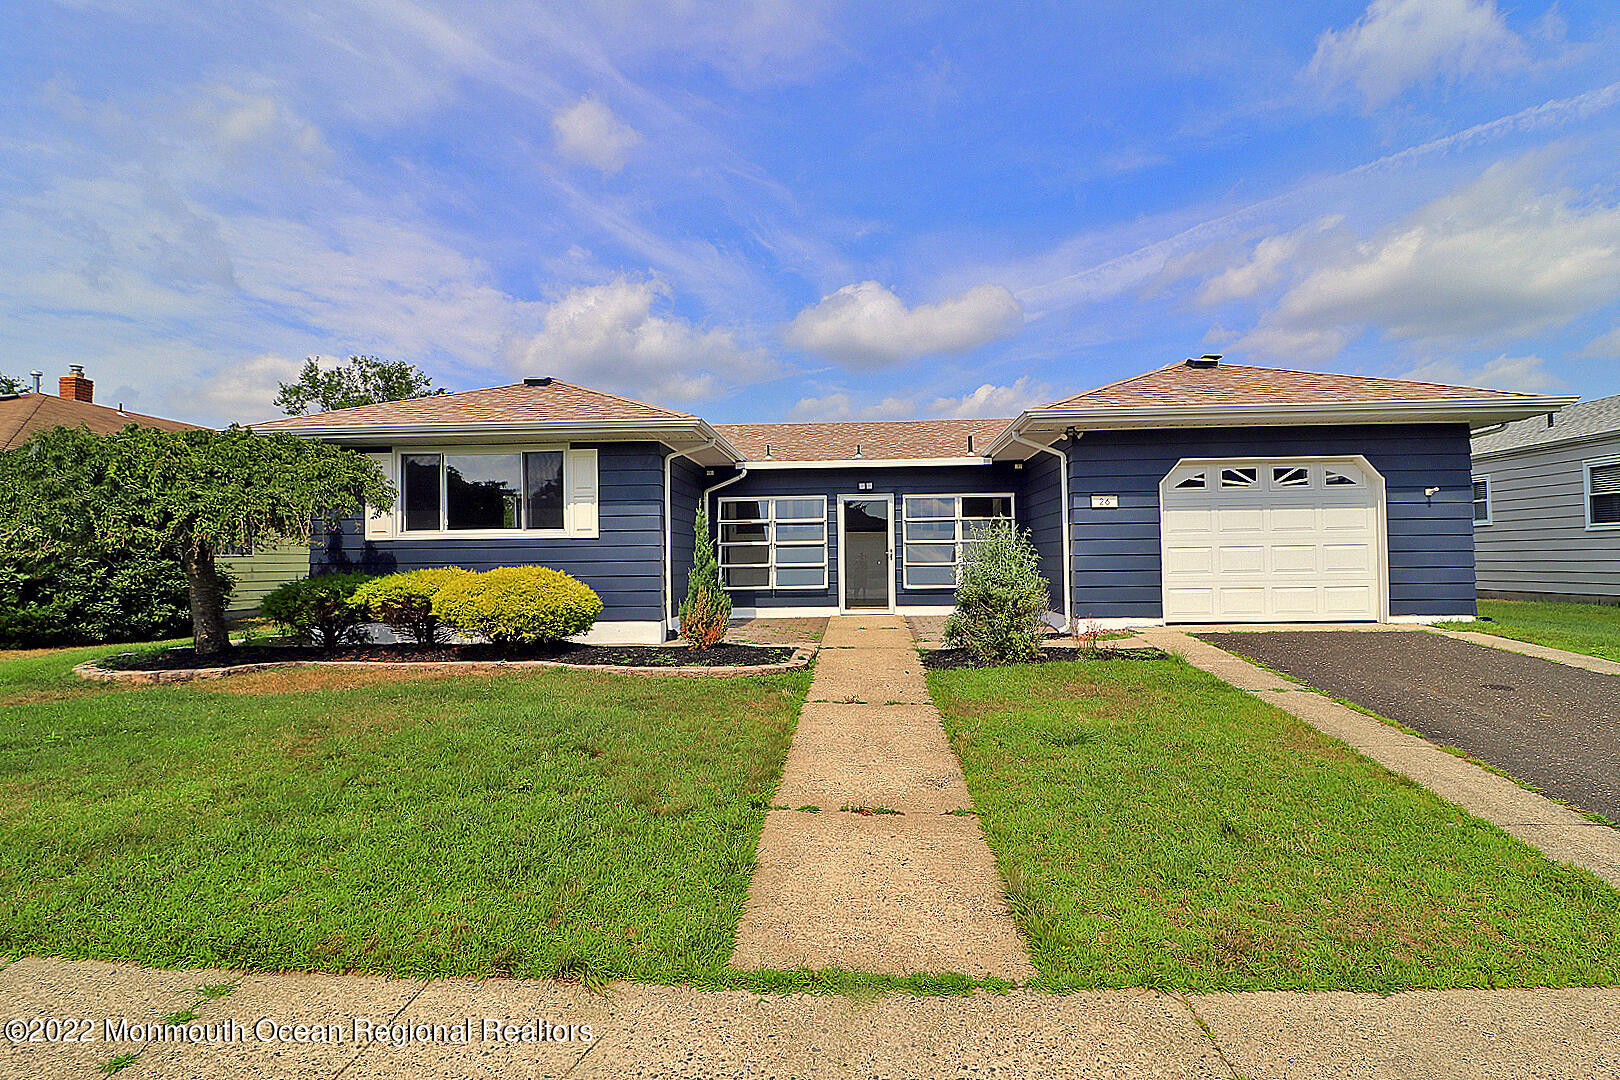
<point>706,611</point>
<point>318,610</point>
<point>513,604</point>
<point>92,595</point>
<point>404,602</point>
<point>1001,598</point>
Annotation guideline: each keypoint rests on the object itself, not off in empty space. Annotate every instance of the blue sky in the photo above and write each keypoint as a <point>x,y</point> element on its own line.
<point>773,210</point>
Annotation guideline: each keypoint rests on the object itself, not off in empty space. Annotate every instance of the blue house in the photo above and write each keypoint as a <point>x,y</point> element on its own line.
<point>1199,492</point>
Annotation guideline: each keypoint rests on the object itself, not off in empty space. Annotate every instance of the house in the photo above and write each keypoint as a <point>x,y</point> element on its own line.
<point>22,416</point>
<point>1547,505</point>
<point>1198,492</point>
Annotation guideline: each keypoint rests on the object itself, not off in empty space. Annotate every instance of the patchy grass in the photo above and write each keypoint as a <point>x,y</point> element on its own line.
<point>1159,828</point>
<point>1593,629</point>
<point>544,823</point>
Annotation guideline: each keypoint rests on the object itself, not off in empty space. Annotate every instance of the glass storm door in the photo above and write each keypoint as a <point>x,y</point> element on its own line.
<point>863,554</point>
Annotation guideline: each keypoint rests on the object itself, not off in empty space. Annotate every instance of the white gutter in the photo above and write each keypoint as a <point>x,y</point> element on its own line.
<point>869,463</point>
<point>654,429</point>
<point>1068,525</point>
<point>669,523</point>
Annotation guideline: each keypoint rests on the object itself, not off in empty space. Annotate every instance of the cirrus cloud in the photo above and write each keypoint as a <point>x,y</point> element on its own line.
<point>1401,43</point>
<point>866,324</point>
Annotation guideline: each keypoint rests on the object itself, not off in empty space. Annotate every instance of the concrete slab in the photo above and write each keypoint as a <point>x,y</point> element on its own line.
<point>86,990</point>
<point>868,632</point>
<point>890,893</point>
<point>1435,1034</point>
<point>1544,652</point>
<point>880,684</point>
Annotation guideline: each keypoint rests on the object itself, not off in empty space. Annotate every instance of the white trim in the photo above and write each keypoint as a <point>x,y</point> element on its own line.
<point>577,525</point>
<point>867,463</point>
<point>865,496</point>
<point>1488,519</point>
<point>1428,620</point>
<point>669,605</point>
<point>1381,505</point>
<point>1067,518</point>
<point>1586,494</point>
<point>698,432</point>
<point>772,544</point>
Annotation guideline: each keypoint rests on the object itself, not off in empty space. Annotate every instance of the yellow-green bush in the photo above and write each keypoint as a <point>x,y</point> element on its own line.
<point>514,604</point>
<point>404,602</point>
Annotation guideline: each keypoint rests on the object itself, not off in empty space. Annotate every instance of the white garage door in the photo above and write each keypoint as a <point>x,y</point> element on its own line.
<point>1268,540</point>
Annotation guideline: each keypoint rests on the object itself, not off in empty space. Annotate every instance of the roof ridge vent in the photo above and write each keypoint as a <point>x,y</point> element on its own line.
<point>1205,361</point>
<point>543,380</point>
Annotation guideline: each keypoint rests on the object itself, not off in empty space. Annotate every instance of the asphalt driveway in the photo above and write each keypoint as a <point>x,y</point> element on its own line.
<point>1552,726</point>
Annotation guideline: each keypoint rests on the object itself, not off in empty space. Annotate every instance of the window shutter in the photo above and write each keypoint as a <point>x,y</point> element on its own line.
<point>580,485</point>
<point>380,523</point>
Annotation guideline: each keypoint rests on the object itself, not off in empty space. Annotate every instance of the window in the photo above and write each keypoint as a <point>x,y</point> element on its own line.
<point>1290,476</point>
<point>773,543</point>
<point>465,492</point>
<point>1335,478</point>
<point>1603,494</point>
<point>1239,477</point>
<point>1482,500</point>
<point>939,528</point>
<point>1196,480</point>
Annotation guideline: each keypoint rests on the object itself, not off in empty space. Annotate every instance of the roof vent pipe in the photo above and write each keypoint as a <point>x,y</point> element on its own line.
<point>1205,361</point>
<point>544,380</point>
<point>38,376</point>
<point>857,450</point>
<point>970,444</point>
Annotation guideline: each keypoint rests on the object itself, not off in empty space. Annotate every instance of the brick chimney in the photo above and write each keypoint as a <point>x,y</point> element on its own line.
<point>75,386</point>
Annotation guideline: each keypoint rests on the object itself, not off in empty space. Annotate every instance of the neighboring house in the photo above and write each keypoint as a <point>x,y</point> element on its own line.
<point>1547,506</point>
<point>1200,492</point>
<point>22,416</point>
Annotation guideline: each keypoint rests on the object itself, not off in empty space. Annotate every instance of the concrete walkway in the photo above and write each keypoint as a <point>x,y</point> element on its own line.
<point>872,865</point>
<point>1529,648</point>
<point>1559,832</point>
<point>413,1029</point>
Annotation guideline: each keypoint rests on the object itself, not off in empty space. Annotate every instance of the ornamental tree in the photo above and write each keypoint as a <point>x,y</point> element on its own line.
<point>706,611</point>
<point>182,491</point>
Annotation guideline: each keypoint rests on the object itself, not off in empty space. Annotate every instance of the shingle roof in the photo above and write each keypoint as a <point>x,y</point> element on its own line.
<point>25,415</point>
<point>1237,384</point>
<point>1600,416</point>
<point>876,439</point>
<point>555,401</point>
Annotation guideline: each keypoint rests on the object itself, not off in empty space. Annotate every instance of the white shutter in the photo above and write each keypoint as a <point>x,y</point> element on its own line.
<point>579,491</point>
<point>380,523</point>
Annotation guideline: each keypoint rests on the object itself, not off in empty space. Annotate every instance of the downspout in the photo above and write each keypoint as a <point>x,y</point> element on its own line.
<point>669,524</point>
<point>1068,525</point>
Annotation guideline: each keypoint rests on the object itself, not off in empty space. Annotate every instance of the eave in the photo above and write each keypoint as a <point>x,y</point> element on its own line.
<point>691,434</point>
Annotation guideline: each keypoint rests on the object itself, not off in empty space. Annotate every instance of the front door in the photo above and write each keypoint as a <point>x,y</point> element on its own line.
<point>865,540</point>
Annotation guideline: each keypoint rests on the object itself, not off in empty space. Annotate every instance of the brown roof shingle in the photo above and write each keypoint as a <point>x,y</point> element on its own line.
<point>1237,384</point>
<point>876,439</point>
<point>554,401</point>
<point>26,415</point>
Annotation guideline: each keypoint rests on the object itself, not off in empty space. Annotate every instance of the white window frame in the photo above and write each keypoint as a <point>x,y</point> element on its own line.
<point>1489,517</point>
<point>578,521</point>
<point>1586,494</point>
<point>906,519</point>
<point>770,543</point>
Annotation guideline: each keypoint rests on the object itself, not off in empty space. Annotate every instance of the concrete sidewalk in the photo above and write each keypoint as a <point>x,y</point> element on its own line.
<point>649,1031</point>
<point>867,863</point>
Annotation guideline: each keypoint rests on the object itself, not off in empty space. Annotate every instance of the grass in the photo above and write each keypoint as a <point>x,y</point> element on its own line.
<point>1159,828</point>
<point>546,823</point>
<point>1593,629</point>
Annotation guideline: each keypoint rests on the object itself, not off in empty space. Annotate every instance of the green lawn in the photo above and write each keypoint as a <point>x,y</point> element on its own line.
<point>544,823</point>
<point>1160,828</point>
<point>1593,629</point>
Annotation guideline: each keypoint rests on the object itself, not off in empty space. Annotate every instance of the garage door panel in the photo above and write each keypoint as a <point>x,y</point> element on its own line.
<point>1272,551</point>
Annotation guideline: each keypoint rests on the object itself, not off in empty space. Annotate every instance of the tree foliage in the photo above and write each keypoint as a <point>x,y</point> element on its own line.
<point>10,384</point>
<point>364,380</point>
<point>91,595</point>
<point>1001,598</point>
<point>189,491</point>
<point>706,611</point>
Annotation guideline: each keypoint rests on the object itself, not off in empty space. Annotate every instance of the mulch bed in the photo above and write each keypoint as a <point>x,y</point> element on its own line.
<point>951,659</point>
<point>724,655</point>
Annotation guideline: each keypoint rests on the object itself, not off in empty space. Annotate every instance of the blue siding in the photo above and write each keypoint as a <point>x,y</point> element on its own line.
<point>687,481</point>
<point>899,482</point>
<point>1431,540</point>
<point>624,563</point>
<point>1039,509</point>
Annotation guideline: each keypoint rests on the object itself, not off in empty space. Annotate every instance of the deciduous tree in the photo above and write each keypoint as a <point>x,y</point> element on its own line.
<point>364,380</point>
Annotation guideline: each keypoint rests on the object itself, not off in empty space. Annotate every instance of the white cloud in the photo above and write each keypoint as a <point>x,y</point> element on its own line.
<point>988,400</point>
<point>608,336</point>
<point>993,400</point>
<point>1294,346</point>
<point>1496,259</point>
<point>1401,43</point>
<point>1524,373</point>
<point>867,324</point>
<point>840,405</point>
<point>1264,266</point>
<point>588,131</point>
<point>245,391</point>
<point>1606,347</point>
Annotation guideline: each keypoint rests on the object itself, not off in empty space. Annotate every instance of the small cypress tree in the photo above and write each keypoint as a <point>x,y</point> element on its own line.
<point>706,611</point>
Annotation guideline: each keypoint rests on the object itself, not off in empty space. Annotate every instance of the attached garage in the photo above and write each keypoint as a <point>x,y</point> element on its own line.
<point>1273,540</point>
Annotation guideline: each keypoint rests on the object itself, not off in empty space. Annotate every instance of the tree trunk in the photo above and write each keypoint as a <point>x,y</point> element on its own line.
<point>208,633</point>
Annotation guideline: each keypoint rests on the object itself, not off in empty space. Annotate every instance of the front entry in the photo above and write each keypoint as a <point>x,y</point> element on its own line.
<point>865,544</point>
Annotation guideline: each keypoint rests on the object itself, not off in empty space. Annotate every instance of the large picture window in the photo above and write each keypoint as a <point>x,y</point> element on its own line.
<point>465,492</point>
<point>939,528</point>
<point>774,543</point>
